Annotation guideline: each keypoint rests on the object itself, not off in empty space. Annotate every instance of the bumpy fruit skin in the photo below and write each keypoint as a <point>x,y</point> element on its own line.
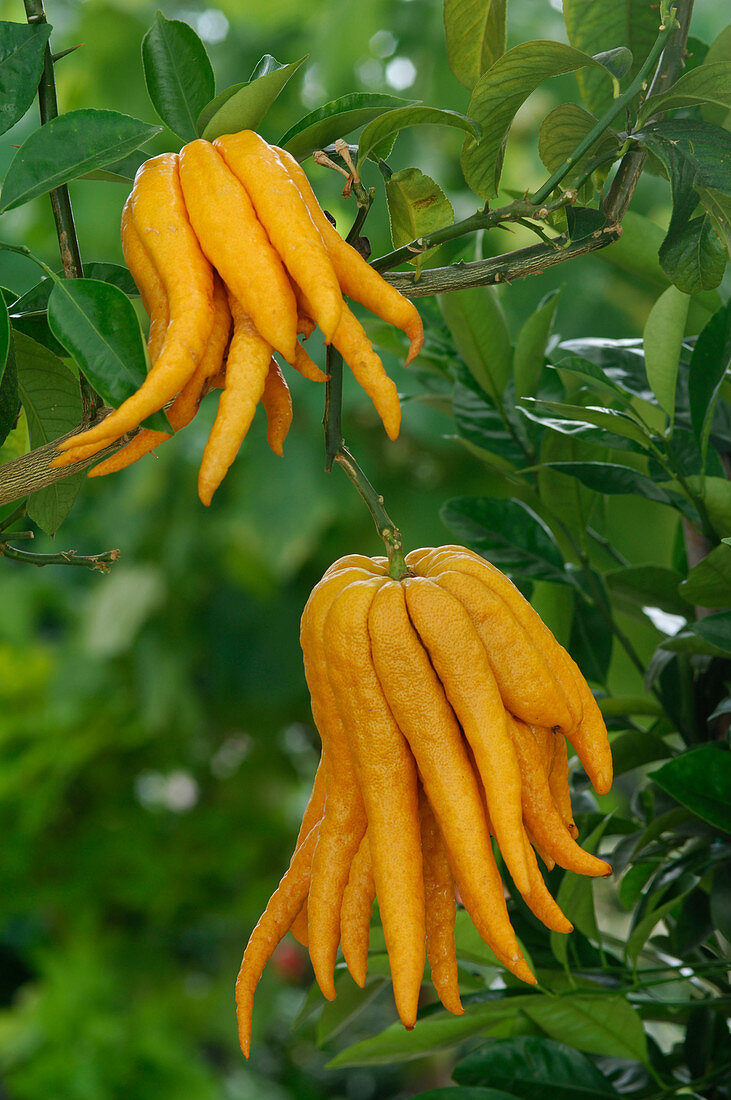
<point>237,245</point>
<point>161,220</point>
<point>247,368</point>
<point>357,278</point>
<point>422,761</point>
<point>281,210</point>
<point>355,913</point>
<point>238,220</point>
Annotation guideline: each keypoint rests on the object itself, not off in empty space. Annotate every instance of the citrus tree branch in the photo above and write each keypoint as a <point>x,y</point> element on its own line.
<point>667,72</point>
<point>63,215</point>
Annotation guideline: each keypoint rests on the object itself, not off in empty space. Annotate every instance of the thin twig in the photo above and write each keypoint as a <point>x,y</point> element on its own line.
<point>63,214</point>
<point>101,562</point>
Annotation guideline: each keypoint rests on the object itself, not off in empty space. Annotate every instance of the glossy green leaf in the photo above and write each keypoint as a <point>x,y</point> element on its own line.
<point>718,207</point>
<point>22,46</point>
<point>575,898</point>
<point>477,323</point>
<point>509,533</point>
<point>437,1031</point>
<point>708,365</point>
<point>648,586</point>
<point>531,1066</point>
<point>335,120</point>
<point>67,147</point>
<point>607,477</point>
<point>50,395</point>
<point>721,900</point>
<point>498,95</point>
<point>417,206</point>
<point>715,629</point>
<point>119,171</point>
<point>705,84</point>
<point>4,337</point>
<point>98,326</point>
<point>475,32</point>
<point>594,27</point>
<point>705,146</point>
<point>662,340</point>
<point>693,256</point>
<point>390,123</point>
<point>530,347</point>
<point>716,493</point>
<point>178,74</point>
<point>243,106</point>
<point>643,929</point>
<point>607,1025</point>
<point>568,498</point>
<point>560,133</point>
<point>479,421</point>
<point>636,748</point>
<point>590,643</point>
<point>37,297</point>
<point>349,1002</point>
<point>701,781</point>
<point>9,398</point>
<point>609,420</point>
<point>709,582</point>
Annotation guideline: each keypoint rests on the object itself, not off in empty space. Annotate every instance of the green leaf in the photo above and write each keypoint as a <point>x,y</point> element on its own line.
<point>510,534</point>
<point>705,146</point>
<point>437,1031</point>
<point>718,207</point>
<point>50,395</point>
<point>475,32</point>
<point>708,365</point>
<point>67,147</point>
<point>119,171</point>
<point>417,206</point>
<point>607,1025</point>
<point>178,74</point>
<point>593,27</point>
<point>693,256</point>
<point>22,46</point>
<point>609,420</point>
<point>590,643</point>
<point>4,338</point>
<point>700,780</point>
<point>721,900</point>
<point>243,106</point>
<point>390,123</point>
<point>9,398</point>
<point>642,930</point>
<point>336,119</point>
<point>648,586</point>
<point>477,323</point>
<point>498,95</point>
<point>531,1066</point>
<point>36,299</point>
<point>716,494</point>
<point>575,897</point>
<point>706,84</point>
<point>530,347</point>
<point>560,133</point>
<point>349,1002</point>
<point>607,477</point>
<point>662,341</point>
<point>98,326</point>
<point>709,582</point>
<point>635,748</point>
<point>569,498</point>
<point>715,629</point>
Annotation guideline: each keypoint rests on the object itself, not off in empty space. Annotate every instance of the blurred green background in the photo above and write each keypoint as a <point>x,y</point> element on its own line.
<point>156,746</point>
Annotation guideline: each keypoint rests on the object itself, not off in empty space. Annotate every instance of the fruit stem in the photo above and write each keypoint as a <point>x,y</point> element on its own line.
<point>387,529</point>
